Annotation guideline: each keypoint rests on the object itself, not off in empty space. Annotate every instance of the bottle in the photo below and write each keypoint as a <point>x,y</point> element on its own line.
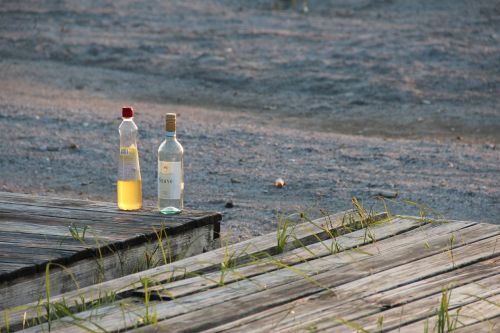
<point>129,185</point>
<point>170,171</point>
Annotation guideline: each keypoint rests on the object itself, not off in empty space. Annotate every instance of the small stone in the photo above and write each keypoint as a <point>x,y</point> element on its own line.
<point>53,148</point>
<point>229,204</point>
<point>279,183</point>
<point>459,137</point>
<point>388,194</point>
<point>235,181</point>
<point>450,164</point>
<point>73,146</point>
<point>426,102</point>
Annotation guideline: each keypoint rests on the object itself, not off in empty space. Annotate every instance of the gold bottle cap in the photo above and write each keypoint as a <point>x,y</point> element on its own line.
<point>170,122</point>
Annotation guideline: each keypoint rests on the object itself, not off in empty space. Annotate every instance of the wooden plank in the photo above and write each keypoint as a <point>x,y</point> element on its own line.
<point>201,263</point>
<point>50,201</point>
<point>487,326</point>
<point>215,306</point>
<point>366,316</point>
<point>44,223</point>
<point>74,204</point>
<point>345,242</point>
<point>101,216</point>
<point>141,222</point>
<point>96,269</point>
<point>9,226</point>
<point>307,312</point>
<point>131,231</point>
<point>479,312</point>
<point>212,314</point>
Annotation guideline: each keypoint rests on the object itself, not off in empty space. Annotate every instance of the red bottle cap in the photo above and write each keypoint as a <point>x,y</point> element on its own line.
<point>127,112</point>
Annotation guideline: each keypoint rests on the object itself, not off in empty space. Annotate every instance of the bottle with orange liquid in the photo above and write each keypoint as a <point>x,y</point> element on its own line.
<point>129,185</point>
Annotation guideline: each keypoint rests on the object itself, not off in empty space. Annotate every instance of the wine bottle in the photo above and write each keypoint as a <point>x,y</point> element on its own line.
<point>170,170</point>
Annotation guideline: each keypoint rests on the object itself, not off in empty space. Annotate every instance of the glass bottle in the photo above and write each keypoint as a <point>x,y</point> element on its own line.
<point>170,170</point>
<point>129,185</point>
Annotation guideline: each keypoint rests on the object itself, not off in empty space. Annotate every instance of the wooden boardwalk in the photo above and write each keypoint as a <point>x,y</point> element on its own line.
<point>88,242</point>
<point>342,273</point>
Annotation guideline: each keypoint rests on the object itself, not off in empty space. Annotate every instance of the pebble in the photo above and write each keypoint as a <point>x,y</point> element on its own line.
<point>235,181</point>
<point>388,194</point>
<point>279,183</point>
<point>229,204</point>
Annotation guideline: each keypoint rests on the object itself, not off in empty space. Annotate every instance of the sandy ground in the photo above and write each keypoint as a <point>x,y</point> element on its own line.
<point>344,98</point>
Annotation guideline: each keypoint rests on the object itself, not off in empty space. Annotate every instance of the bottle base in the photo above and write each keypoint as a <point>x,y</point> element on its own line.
<point>170,210</point>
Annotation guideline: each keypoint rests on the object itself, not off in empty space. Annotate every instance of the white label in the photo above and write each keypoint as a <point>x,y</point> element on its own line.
<point>170,183</point>
<point>128,167</point>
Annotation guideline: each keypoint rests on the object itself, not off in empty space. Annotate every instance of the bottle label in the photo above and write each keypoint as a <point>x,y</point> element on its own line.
<point>170,183</point>
<point>128,168</point>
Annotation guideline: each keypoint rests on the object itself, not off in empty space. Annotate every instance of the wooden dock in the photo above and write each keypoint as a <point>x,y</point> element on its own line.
<point>342,273</point>
<point>88,242</point>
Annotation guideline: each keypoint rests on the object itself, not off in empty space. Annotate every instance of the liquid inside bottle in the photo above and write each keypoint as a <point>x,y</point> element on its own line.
<point>170,170</point>
<point>129,185</point>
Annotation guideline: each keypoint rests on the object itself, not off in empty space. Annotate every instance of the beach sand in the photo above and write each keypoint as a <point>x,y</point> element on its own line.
<point>339,98</point>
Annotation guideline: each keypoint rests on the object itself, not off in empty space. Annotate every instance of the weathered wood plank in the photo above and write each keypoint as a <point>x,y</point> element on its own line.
<point>97,269</point>
<point>105,220</point>
<point>464,297</point>
<point>231,309</point>
<point>215,306</point>
<point>370,290</point>
<point>51,201</point>
<point>9,226</point>
<point>487,325</point>
<point>76,204</point>
<point>367,316</point>
<point>205,262</point>
<point>35,231</point>
<point>299,255</point>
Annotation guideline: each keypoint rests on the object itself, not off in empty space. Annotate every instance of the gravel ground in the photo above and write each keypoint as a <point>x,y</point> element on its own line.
<point>351,98</point>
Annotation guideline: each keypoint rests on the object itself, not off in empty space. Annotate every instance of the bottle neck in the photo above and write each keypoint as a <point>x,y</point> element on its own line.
<point>169,134</point>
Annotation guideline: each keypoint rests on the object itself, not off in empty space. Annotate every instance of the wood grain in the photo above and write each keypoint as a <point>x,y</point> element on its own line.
<point>395,270</point>
<point>36,231</point>
<point>209,308</point>
<point>197,264</point>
